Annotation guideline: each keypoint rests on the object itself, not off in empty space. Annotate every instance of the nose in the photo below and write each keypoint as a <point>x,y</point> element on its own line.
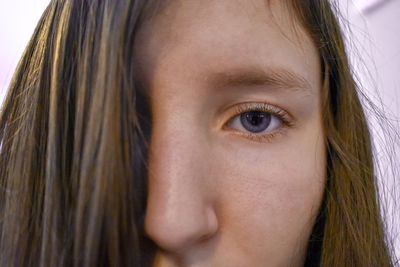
<point>179,211</point>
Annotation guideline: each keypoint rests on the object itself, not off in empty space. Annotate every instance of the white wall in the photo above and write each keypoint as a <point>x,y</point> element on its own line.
<point>373,40</point>
<point>18,19</point>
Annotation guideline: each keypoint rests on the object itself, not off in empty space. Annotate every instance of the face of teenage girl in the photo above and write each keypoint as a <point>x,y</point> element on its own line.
<point>237,156</point>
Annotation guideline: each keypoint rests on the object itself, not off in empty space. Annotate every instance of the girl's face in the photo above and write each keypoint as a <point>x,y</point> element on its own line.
<point>237,157</point>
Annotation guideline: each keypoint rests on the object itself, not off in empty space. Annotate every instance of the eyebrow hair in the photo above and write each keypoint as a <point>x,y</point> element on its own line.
<point>278,78</point>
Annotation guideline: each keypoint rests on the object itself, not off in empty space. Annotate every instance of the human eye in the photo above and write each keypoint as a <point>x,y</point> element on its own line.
<point>259,122</point>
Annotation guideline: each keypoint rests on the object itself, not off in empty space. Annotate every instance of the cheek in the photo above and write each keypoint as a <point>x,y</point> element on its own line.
<point>268,201</point>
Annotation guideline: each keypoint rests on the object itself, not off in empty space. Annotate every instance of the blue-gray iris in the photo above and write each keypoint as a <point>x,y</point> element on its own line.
<point>255,121</point>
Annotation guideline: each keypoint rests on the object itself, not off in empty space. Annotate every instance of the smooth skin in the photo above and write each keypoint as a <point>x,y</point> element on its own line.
<point>220,194</point>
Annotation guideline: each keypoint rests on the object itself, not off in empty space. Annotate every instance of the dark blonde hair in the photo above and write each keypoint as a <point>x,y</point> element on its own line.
<point>74,133</point>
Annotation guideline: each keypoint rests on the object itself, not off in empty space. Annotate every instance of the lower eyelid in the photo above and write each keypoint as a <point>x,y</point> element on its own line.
<point>262,138</point>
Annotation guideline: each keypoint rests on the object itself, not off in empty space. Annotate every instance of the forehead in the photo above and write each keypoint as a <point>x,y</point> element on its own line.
<point>194,39</point>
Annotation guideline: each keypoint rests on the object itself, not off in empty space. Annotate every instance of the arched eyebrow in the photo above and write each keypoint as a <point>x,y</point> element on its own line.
<point>277,78</point>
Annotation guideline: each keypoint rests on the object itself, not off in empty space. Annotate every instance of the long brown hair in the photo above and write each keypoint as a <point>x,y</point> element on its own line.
<point>74,133</point>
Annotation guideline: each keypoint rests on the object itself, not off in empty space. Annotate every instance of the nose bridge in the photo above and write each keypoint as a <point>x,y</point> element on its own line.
<point>178,211</point>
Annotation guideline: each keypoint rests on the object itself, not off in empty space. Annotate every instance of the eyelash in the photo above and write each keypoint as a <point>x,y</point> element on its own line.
<point>282,115</point>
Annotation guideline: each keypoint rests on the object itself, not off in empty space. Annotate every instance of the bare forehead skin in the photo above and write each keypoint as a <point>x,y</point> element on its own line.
<point>201,37</point>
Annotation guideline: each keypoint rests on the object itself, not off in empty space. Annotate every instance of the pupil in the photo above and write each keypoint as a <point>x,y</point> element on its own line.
<point>255,121</point>
<point>256,118</point>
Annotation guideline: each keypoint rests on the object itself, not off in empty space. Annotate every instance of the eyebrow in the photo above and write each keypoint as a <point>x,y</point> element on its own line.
<point>278,78</point>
